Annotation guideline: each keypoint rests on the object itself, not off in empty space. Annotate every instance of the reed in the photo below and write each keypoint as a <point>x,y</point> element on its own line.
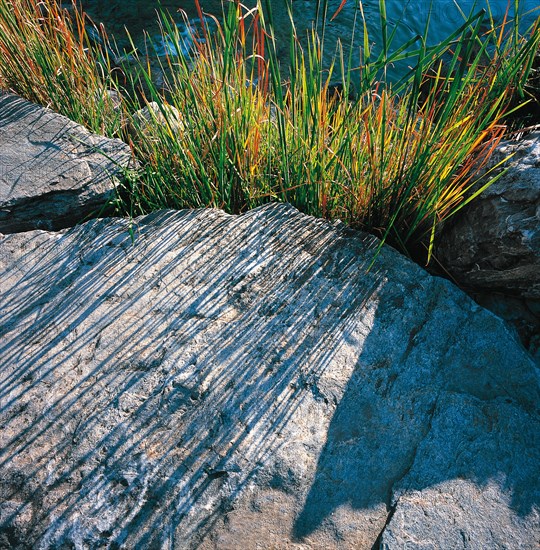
<point>234,129</point>
<point>47,56</point>
<point>397,160</point>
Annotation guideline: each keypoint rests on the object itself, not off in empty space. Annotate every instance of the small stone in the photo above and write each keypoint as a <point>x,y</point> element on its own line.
<point>154,114</point>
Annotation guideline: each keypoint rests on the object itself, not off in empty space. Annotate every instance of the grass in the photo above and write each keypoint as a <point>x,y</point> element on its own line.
<point>234,130</point>
<point>47,56</point>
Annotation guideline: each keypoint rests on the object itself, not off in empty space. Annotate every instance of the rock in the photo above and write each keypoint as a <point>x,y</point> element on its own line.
<point>154,114</point>
<point>112,96</point>
<point>53,172</point>
<point>493,248</point>
<point>495,243</point>
<point>434,517</point>
<point>245,382</point>
<point>522,314</point>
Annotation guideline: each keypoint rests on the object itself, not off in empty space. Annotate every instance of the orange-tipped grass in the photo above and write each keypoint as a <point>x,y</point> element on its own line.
<point>396,161</point>
<point>397,165</point>
<point>46,56</point>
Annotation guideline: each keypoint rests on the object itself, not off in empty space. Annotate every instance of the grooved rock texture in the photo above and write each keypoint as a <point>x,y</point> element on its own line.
<point>53,172</point>
<point>495,243</point>
<point>226,382</point>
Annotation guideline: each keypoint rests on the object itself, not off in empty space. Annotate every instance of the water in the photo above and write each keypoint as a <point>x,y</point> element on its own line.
<point>407,19</point>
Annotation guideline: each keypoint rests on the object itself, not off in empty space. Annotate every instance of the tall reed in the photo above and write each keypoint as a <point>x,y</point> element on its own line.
<point>235,127</point>
<point>397,160</point>
<point>47,56</point>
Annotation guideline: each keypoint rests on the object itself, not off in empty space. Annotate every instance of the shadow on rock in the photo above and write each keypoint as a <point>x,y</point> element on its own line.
<point>156,393</point>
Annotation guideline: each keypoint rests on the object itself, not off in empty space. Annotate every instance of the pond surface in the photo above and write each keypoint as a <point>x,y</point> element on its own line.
<point>409,19</point>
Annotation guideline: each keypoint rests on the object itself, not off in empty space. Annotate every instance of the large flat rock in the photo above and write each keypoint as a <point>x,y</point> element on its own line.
<point>53,172</point>
<point>226,382</point>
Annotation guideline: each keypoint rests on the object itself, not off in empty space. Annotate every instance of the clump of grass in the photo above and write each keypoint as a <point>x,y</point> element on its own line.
<point>394,159</point>
<point>47,56</point>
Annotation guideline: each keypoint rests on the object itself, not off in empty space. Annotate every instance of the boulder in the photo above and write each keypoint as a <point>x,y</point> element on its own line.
<point>192,379</point>
<point>495,243</point>
<point>53,172</point>
<point>522,314</point>
<point>492,248</point>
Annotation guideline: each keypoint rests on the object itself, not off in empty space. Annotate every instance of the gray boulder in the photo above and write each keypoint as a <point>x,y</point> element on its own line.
<point>522,314</point>
<point>493,248</point>
<point>495,243</point>
<point>225,382</point>
<point>53,172</point>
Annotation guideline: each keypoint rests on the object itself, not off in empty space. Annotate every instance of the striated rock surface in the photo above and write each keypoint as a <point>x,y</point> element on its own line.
<point>522,314</point>
<point>243,382</point>
<point>53,172</point>
<point>495,243</point>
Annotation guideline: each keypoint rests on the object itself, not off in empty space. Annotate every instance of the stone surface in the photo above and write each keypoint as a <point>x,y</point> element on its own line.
<point>229,382</point>
<point>465,435</point>
<point>522,314</point>
<point>53,172</point>
<point>495,243</point>
<point>154,113</point>
<point>493,248</point>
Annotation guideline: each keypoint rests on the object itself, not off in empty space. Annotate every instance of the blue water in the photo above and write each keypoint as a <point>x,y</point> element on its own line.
<point>442,18</point>
<point>435,20</point>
